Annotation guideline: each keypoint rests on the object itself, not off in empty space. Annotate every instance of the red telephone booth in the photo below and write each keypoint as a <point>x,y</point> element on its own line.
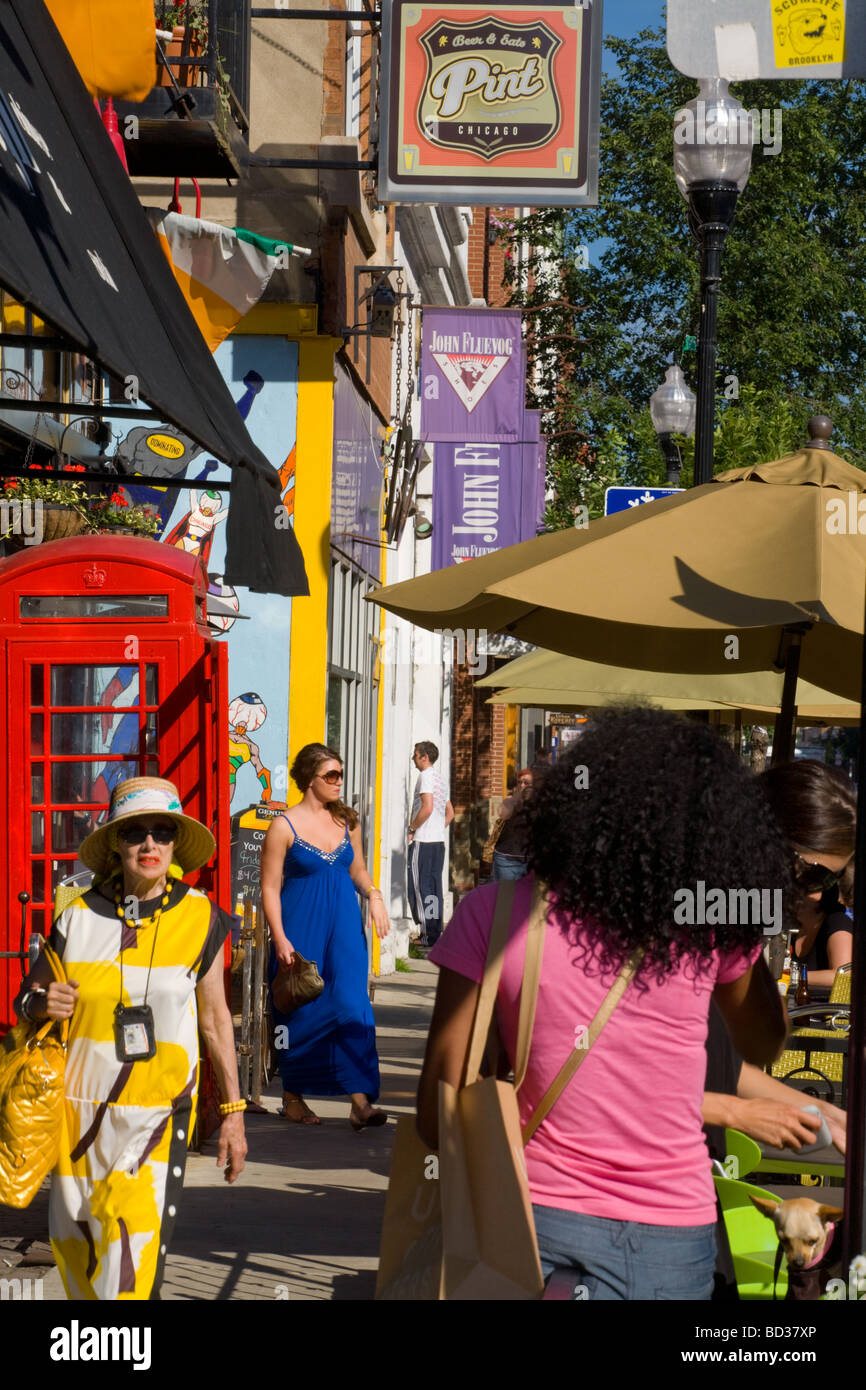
<point>109,671</point>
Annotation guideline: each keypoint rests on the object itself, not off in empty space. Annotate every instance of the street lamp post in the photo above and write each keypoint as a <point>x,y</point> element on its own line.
<point>672,408</point>
<point>712,159</point>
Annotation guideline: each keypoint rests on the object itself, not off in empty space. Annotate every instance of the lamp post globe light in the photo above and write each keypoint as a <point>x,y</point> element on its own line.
<point>673,408</point>
<point>713,136</point>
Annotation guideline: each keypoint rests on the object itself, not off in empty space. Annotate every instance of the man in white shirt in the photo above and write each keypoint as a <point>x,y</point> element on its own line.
<point>432,812</point>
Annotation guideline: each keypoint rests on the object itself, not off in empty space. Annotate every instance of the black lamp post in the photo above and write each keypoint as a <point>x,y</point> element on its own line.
<point>712,160</point>
<point>672,408</point>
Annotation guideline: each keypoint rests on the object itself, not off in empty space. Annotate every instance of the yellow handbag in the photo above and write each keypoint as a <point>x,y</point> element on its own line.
<point>32,1066</point>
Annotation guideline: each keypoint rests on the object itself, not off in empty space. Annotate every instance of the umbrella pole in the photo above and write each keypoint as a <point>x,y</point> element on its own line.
<point>789,660</point>
<point>854,1228</point>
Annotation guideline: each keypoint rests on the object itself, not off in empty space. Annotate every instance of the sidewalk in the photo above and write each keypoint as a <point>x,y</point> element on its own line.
<point>303,1221</point>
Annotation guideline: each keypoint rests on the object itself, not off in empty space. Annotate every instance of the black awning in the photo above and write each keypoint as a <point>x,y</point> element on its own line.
<point>77,248</point>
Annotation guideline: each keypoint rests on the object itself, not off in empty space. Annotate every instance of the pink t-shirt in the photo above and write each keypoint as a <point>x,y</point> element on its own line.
<point>624,1140</point>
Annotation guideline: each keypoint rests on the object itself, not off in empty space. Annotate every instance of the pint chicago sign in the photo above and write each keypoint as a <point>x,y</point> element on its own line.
<point>499,102</point>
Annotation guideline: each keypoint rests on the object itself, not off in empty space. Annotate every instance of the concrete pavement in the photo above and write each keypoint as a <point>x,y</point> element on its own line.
<point>303,1221</point>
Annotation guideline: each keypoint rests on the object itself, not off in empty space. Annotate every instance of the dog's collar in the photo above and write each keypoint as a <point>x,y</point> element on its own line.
<point>824,1248</point>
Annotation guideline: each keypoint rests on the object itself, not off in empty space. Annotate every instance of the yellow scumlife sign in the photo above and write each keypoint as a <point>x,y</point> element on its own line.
<point>807,33</point>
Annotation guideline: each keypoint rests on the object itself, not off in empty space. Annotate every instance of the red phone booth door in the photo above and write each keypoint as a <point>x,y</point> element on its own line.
<point>77,724</point>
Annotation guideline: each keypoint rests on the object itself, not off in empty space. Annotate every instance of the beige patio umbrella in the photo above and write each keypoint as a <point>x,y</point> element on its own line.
<point>552,681</point>
<point>734,575</point>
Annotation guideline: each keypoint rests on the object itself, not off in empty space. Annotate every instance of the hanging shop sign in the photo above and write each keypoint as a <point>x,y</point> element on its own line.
<point>356,494</point>
<point>473,373</point>
<point>485,496</point>
<point>493,104</point>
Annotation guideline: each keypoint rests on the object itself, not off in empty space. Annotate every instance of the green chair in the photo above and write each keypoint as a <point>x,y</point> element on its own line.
<point>743,1150</point>
<point>752,1238</point>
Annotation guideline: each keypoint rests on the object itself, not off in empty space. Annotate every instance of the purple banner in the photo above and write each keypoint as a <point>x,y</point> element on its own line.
<point>472,376</point>
<point>485,497</point>
<point>356,493</point>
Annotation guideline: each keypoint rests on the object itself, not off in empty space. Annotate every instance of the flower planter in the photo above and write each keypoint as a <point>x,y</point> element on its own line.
<point>184,75</point>
<point>59,522</point>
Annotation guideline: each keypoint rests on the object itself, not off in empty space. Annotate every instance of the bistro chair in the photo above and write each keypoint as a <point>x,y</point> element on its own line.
<point>841,991</point>
<point>816,1059</point>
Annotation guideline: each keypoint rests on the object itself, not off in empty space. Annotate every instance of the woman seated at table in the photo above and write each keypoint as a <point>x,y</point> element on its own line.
<point>816,807</point>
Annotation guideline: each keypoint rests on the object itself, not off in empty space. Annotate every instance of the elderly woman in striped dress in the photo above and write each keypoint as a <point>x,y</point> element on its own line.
<point>143,956</point>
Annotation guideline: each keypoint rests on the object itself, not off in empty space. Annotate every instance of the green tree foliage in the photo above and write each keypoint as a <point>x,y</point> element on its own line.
<point>793,299</point>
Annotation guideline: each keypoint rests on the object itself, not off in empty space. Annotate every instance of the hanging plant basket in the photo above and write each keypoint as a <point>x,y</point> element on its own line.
<point>59,522</point>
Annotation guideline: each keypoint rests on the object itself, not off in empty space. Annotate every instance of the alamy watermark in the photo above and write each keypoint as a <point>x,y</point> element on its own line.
<point>22,517</point>
<point>846,514</point>
<point>467,647</point>
<point>22,1290</point>
<point>743,127</point>
<point>718,907</point>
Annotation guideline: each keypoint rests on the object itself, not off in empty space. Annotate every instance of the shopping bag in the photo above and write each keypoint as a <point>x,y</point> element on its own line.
<point>32,1070</point>
<point>488,1233</point>
<point>410,1254</point>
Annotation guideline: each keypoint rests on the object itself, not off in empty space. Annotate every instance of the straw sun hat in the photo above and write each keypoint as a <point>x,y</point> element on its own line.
<point>147,796</point>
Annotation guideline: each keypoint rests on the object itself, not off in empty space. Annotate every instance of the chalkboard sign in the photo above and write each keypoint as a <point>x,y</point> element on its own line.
<point>248,835</point>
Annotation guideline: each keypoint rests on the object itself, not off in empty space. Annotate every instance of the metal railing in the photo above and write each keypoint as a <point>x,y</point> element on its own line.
<point>223,61</point>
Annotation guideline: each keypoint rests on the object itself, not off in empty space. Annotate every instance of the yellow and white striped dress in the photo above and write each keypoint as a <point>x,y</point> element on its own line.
<point>117,1185</point>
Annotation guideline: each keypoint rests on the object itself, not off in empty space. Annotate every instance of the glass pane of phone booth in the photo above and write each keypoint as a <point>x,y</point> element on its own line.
<point>89,728</point>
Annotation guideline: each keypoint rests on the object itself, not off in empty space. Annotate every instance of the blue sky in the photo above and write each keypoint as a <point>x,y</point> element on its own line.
<point>622,18</point>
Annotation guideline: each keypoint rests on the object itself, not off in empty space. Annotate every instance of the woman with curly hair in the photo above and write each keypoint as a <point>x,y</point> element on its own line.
<point>644,811</point>
<point>312,868</point>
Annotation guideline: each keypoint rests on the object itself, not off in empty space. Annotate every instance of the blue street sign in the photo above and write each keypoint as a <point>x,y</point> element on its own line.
<point>621,499</point>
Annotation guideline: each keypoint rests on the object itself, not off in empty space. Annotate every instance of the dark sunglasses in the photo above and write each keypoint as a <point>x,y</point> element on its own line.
<point>332,778</point>
<point>814,878</point>
<point>137,834</point>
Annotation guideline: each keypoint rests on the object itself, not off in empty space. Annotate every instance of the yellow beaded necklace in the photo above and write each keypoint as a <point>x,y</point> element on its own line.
<point>155,916</point>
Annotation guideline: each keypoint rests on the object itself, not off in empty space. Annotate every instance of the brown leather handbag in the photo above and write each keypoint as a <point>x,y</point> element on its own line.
<point>298,986</point>
<point>32,1068</point>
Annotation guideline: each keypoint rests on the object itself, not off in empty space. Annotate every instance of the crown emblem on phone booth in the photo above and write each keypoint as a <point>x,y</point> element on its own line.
<point>94,577</point>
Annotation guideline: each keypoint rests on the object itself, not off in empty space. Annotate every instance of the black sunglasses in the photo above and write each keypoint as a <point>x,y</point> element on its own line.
<point>814,878</point>
<point>137,834</point>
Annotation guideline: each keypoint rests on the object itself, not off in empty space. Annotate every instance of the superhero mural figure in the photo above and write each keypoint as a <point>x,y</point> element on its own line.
<point>195,531</point>
<point>246,714</point>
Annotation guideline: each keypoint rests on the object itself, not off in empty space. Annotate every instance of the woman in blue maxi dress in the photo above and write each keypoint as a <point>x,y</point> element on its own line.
<point>312,868</point>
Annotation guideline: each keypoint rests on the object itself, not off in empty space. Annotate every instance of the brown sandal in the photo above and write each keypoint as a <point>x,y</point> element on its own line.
<point>306,1117</point>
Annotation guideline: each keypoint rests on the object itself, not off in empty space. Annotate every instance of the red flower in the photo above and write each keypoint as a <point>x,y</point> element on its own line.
<point>117,499</point>
<point>11,483</point>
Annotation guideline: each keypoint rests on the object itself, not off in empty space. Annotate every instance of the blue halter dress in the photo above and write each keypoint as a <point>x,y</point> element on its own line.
<point>331,1041</point>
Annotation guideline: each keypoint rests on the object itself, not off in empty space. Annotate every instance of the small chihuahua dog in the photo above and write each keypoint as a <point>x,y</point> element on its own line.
<point>809,1234</point>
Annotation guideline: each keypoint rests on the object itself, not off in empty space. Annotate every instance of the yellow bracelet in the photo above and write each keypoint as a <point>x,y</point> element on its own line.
<point>232,1107</point>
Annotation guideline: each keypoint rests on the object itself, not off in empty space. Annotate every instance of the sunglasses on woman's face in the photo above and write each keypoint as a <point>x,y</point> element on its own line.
<point>332,778</point>
<point>137,834</point>
<point>812,877</point>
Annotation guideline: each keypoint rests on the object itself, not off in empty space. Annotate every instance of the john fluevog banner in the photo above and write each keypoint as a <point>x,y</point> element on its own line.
<point>499,99</point>
<point>472,376</point>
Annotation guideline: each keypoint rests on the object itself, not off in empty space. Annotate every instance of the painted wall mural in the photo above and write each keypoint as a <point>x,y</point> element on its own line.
<point>262,374</point>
